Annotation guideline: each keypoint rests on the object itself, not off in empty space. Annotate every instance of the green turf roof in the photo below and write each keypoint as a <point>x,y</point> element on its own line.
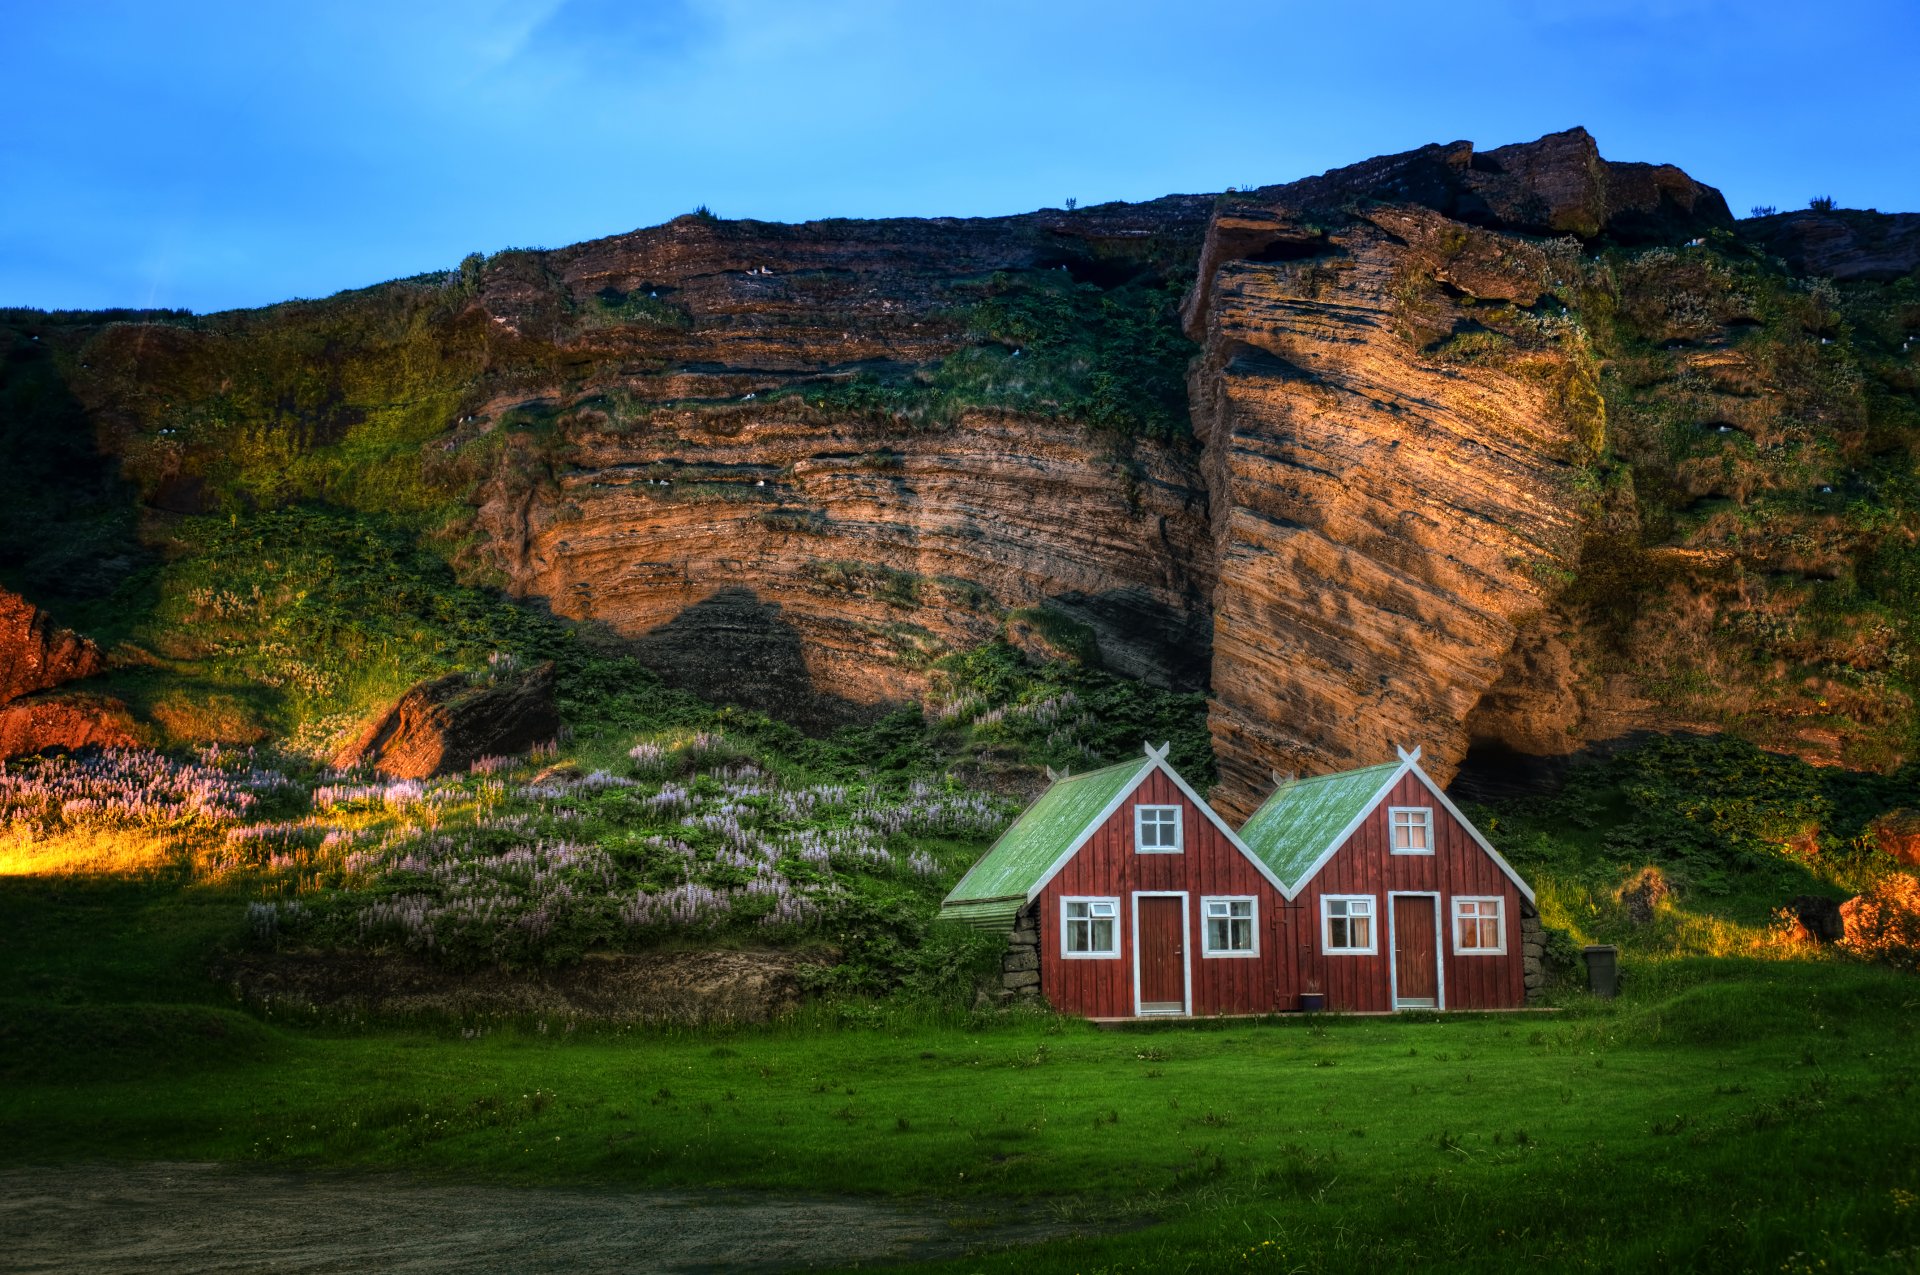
<point>1298,823</point>
<point>1039,837</point>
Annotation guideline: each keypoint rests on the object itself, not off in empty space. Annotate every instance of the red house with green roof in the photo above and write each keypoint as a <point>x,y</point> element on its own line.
<point>1125,895</point>
<point>1399,901</point>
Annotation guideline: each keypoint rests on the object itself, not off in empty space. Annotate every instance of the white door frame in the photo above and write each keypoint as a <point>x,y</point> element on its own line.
<point>1186,953</point>
<point>1439,949</point>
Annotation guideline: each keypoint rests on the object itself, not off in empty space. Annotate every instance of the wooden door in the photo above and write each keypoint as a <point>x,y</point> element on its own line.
<point>1416,960</point>
<point>1161,954</point>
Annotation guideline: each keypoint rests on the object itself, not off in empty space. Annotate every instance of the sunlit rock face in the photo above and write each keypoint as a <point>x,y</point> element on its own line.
<point>1393,415</point>
<point>36,656</point>
<point>792,465</point>
<point>813,566</point>
<point>812,559</point>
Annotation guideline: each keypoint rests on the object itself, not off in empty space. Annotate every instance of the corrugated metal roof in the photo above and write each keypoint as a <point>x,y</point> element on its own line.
<point>1299,822</point>
<point>1050,825</point>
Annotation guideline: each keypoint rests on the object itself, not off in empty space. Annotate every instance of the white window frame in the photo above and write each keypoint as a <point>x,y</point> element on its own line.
<point>1207,949</point>
<point>1393,824</point>
<point>1066,923</point>
<point>1499,921</point>
<point>1326,925</point>
<point>1179,830</point>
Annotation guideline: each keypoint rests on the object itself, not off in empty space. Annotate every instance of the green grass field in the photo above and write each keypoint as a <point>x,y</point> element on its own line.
<point>1722,1114</point>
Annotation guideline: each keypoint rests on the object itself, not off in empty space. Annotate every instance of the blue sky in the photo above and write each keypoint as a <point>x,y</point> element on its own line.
<point>208,154</point>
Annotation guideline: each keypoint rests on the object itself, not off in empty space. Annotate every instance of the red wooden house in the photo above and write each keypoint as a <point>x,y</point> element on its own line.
<point>1400,902</point>
<point>1125,895</point>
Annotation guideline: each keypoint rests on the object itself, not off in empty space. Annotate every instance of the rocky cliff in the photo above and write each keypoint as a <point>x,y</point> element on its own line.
<point>1514,450</point>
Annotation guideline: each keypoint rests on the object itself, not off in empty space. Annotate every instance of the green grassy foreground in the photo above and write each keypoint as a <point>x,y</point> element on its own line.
<point>1723,1114</point>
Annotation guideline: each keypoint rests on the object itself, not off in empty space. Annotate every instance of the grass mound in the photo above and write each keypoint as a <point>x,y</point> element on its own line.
<point>67,1044</point>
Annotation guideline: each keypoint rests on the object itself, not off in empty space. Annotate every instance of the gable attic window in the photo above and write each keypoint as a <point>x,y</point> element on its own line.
<point>1412,829</point>
<point>1089,928</point>
<point>1346,924</point>
<point>1156,830</point>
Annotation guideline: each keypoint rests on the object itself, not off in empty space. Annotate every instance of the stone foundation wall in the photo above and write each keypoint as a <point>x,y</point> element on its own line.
<point>1533,948</point>
<point>1020,966</point>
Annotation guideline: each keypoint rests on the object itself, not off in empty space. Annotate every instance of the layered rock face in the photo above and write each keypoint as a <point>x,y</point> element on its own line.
<point>1390,505</point>
<point>814,566</point>
<point>793,465</point>
<point>1842,244</point>
<point>1383,522</point>
<point>764,541</point>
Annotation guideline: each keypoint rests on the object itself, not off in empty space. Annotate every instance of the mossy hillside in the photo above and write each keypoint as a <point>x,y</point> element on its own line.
<point>1041,343</point>
<point>1751,511</point>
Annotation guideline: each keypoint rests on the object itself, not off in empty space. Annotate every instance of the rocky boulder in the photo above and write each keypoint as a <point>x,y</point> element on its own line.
<point>1819,917</point>
<point>448,723</point>
<point>40,723</point>
<point>1898,833</point>
<point>36,654</point>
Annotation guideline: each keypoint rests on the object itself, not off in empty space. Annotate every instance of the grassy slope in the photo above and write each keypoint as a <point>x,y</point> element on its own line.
<point>1722,1116</point>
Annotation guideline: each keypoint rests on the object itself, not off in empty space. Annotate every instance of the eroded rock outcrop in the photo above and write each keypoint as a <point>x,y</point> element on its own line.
<point>1383,521</point>
<point>447,724</point>
<point>36,654</point>
<point>794,464</point>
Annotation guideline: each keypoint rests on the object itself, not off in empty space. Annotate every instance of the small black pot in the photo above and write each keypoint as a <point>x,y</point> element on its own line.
<point>1312,1002</point>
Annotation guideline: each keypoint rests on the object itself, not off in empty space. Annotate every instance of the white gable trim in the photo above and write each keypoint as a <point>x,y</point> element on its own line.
<point>1353,825</point>
<point>1086,833</point>
<point>1159,756</point>
<point>1410,765</point>
<point>1233,838</point>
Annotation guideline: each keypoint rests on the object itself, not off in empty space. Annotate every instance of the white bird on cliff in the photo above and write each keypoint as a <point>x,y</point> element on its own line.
<point>760,483</point>
<point>744,398</point>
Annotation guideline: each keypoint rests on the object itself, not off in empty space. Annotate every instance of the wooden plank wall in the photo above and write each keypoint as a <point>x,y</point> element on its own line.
<point>1210,865</point>
<point>1366,865</point>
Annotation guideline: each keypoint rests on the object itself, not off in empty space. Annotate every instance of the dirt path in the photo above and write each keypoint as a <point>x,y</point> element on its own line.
<point>164,1218</point>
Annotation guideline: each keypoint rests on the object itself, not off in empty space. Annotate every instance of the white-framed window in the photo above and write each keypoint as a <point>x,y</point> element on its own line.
<point>1479,926</point>
<point>1411,828</point>
<point>1089,928</point>
<point>1156,830</point>
<point>1229,926</point>
<point>1347,924</point>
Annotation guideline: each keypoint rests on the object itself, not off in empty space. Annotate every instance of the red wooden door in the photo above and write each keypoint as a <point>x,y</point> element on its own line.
<point>1416,963</point>
<point>1163,972</point>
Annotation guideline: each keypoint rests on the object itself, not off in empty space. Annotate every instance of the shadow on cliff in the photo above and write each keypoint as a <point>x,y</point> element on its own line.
<point>1141,637</point>
<point>736,647</point>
